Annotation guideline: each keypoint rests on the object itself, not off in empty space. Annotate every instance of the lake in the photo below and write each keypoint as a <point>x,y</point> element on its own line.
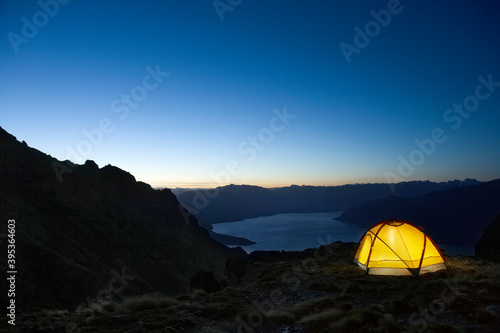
<point>299,231</point>
<point>292,231</point>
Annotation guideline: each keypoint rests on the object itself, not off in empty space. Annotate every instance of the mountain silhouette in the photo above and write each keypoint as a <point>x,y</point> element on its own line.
<point>488,246</point>
<point>452,216</point>
<point>77,231</point>
<point>237,202</point>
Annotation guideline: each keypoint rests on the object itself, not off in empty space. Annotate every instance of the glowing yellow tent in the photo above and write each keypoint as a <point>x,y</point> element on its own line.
<point>397,247</point>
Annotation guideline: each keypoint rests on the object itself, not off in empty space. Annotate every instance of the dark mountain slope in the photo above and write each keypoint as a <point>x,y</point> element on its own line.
<point>73,237</point>
<point>453,216</point>
<point>230,203</point>
<point>488,246</point>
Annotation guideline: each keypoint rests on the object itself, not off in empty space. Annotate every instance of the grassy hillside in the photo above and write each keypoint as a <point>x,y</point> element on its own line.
<point>317,290</point>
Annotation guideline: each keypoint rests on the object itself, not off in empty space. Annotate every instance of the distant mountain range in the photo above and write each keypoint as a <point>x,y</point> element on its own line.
<point>456,215</point>
<point>453,212</point>
<point>238,202</point>
<point>80,229</point>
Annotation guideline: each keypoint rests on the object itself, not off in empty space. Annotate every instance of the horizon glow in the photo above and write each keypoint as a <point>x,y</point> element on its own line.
<point>184,95</point>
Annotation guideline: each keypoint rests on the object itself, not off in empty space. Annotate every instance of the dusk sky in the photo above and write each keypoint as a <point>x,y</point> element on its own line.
<point>207,93</point>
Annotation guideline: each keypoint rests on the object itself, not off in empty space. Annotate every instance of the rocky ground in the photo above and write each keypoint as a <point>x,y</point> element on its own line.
<point>317,290</point>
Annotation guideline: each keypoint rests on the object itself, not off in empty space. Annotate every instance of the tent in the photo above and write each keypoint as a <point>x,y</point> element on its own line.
<point>397,247</point>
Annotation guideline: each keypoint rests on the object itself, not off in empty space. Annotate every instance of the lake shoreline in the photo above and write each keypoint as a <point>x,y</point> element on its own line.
<point>231,240</point>
<point>297,232</point>
<point>289,231</point>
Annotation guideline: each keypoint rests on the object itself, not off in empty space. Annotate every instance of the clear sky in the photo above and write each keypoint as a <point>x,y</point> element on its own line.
<point>205,93</point>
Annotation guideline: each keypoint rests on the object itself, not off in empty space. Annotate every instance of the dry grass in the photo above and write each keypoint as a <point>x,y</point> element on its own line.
<point>319,321</point>
<point>313,306</point>
<point>146,302</point>
<point>336,298</point>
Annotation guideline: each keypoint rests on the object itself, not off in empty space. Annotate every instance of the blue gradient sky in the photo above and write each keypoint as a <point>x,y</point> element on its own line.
<point>354,122</point>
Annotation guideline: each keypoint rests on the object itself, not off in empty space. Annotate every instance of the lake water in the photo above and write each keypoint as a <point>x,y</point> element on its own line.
<point>291,232</point>
<point>299,231</point>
